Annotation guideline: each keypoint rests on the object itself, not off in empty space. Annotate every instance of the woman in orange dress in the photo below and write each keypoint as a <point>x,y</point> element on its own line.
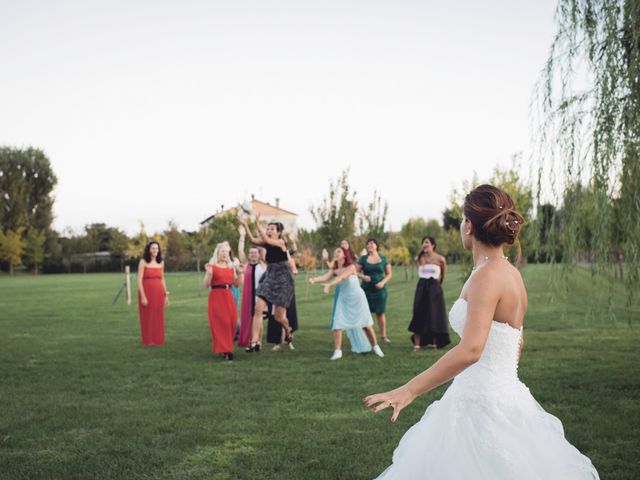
<point>220,276</point>
<point>152,295</point>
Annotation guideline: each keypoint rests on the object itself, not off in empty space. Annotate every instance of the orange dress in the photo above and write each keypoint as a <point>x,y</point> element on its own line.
<point>223,313</point>
<point>152,315</point>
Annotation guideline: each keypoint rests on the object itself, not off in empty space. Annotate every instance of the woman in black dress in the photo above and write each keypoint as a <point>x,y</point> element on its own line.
<point>278,285</point>
<point>429,323</point>
<point>275,332</point>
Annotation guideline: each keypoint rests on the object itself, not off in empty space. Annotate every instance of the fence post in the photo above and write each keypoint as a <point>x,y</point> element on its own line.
<point>127,282</point>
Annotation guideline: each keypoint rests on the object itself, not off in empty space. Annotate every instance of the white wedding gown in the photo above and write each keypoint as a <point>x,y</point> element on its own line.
<point>487,425</point>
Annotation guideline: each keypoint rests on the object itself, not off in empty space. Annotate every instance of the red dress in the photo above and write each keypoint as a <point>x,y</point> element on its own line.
<point>223,313</point>
<point>152,315</point>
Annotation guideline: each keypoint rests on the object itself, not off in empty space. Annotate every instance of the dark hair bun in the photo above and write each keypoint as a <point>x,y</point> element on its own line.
<point>493,215</point>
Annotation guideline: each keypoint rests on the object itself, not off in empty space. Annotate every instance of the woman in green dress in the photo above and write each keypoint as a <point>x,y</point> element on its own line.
<point>375,271</point>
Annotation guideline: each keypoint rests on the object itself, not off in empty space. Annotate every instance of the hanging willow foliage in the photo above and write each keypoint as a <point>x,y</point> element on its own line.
<point>588,134</point>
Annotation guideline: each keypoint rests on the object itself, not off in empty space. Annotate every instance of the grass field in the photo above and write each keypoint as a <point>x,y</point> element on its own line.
<point>81,399</point>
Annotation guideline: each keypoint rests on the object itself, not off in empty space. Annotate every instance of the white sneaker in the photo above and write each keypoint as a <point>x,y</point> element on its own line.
<point>378,351</point>
<point>337,355</point>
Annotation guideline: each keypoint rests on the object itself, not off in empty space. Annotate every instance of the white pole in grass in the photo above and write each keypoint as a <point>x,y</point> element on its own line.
<point>127,282</point>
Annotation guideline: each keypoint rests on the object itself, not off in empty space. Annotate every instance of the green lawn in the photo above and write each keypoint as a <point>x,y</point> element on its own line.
<point>81,399</point>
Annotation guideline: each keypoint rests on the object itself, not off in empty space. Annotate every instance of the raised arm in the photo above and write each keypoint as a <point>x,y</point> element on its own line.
<point>253,240</point>
<point>274,242</point>
<point>482,297</point>
<point>242,232</point>
<point>238,274</point>
<point>325,258</point>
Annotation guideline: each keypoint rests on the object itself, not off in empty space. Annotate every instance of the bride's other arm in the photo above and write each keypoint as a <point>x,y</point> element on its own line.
<point>483,293</point>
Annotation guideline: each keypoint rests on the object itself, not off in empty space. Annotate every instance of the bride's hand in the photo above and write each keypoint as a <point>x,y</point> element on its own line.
<point>396,399</point>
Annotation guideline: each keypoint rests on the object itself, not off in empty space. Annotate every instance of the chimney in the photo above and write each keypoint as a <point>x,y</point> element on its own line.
<point>277,202</point>
<point>252,197</point>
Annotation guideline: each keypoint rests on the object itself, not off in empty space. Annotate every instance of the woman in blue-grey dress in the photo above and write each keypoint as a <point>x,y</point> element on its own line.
<point>350,307</point>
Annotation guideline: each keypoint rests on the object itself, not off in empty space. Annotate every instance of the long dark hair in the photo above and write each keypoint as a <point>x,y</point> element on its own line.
<point>431,240</point>
<point>147,252</point>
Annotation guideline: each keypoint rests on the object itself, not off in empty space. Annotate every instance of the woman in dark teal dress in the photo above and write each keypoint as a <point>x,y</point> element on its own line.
<point>375,271</point>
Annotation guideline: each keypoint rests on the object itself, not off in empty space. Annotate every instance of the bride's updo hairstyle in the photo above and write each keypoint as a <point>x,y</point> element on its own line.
<point>493,215</point>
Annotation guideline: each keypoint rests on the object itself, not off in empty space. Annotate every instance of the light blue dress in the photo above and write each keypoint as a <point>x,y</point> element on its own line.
<point>351,313</point>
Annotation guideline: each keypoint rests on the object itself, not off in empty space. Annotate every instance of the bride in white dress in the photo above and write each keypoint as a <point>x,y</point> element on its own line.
<point>487,425</point>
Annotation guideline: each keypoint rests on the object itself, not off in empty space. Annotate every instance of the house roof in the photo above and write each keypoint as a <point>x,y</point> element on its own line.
<point>264,209</point>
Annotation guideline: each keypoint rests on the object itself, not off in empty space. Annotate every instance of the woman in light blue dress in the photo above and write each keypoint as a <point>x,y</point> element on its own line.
<point>350,307</point>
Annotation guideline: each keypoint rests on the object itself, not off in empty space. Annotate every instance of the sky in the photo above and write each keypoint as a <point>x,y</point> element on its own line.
<point>164,111</point>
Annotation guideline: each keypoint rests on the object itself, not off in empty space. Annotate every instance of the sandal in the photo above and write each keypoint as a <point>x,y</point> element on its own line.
<point>288,338</point>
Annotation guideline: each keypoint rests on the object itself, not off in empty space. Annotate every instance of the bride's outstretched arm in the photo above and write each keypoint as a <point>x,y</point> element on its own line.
<point>482,297</point>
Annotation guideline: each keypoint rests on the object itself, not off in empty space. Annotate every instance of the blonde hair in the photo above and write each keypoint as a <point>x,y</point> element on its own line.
<point>215,258</point>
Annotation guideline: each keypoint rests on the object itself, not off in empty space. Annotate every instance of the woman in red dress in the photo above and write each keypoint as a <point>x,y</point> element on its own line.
<point>152,295</point>
<point>223,313</point>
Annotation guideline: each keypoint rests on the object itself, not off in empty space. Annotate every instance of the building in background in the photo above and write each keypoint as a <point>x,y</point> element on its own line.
<point>268,213</point>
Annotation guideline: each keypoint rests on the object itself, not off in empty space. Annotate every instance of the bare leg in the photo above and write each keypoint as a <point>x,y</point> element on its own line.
<point>337,339</point>
<point>337,344</point>
<point>371,335</point>
<point>281,318</point>
<point>256,323</point>
<point>416,340</point>
<point>382,325</point>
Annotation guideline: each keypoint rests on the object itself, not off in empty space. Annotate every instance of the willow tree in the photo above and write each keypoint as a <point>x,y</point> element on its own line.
<point>589,131</point>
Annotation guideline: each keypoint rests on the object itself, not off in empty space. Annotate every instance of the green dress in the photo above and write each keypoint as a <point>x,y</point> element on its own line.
<point>377,299</point>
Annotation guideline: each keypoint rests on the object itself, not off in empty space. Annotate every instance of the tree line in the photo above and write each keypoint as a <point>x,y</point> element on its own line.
<point>27,238</point>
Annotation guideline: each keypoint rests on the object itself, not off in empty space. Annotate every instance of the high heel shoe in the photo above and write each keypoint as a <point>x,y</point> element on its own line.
<point>288,338</point>
<point>251,348</point>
